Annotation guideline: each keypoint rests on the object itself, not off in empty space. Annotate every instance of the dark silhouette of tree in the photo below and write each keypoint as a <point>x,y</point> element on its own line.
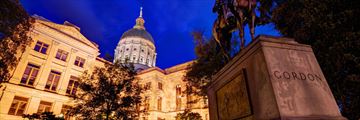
<point>109,57</point>
<point>332,28</point>
<point>108,93</point>
<point>15,24</point>
<point>43,116</point>
<point>188,115</point>
<point>209,60</point>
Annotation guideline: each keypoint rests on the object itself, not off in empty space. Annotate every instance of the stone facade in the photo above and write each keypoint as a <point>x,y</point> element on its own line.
<point>162,93</point>
<point>57,55</point>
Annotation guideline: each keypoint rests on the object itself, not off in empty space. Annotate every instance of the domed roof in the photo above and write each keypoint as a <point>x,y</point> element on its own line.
<point>135,32</point>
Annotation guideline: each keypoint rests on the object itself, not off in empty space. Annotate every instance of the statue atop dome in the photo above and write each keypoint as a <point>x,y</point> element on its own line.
<point>140,21</point>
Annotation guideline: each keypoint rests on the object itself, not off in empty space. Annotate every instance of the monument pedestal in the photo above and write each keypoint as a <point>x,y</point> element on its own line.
<point>272,78</point>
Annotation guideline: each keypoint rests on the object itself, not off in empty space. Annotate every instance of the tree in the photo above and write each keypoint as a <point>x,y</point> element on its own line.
<point>188,115</point>
<point>209,61</point>
<point>15,25</point>
<point>43,116</point>
<point>332,28</point>
<point>112,92</point>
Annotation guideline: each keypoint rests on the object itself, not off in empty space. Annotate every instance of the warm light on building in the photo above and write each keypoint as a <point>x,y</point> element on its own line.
<point>49,69</point>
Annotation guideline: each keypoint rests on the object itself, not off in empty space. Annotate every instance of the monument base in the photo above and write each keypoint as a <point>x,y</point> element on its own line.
<point>272,78</point>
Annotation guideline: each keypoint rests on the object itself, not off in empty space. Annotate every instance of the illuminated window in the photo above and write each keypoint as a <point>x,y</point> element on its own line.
<point>141,59</point>
<point>79,62</point>
<point>160,118</point>
<point>189,100</point>
<point>18,106</point>
<point>44,107</point>
<point>160,86</point>
<point>159,103</point>
<point>72,86</point>
<point>41,47</point>
<point>52,81</point>
<point>148,86</point>
<point>64,110</point>
<point>126,57</point>
<point>61,55</point>
<point>178,97</point>
<point>147,103</point>
<point>30,74</point>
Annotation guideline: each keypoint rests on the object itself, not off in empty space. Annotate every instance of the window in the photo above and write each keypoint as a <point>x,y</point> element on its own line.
<point>64,111</point>
<point>127,49</point>
<point>141,59</point>
<point>41,47</point>
<point>52,81</point>
<point>189,100</point>
<point>61,55</point>
<point>159,103</point>
<point>72,86</point>
<point>18,106</point>
<point>147,103</point>
<point>79,62</point>
<point>30,74</point>
<point>160,86</point>
<point>148,86</point>
<point>44,107</point>
<point>178,97</point>
<point>134,57</point>
<point>147,61</point>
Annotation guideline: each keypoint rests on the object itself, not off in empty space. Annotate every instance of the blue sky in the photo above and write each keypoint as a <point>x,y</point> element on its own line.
<point>169,21</point>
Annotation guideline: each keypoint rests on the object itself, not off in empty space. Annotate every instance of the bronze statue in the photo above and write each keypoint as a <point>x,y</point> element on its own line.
<point>233,15</point>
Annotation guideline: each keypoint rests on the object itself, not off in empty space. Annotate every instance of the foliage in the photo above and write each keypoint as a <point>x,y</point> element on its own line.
<point>188,115</point>
<point>43,116</point>
<point>332,28</point>
<point>209,61</point>
<point>108,57</point>
<point>15,24</point>
<point>112,92</point>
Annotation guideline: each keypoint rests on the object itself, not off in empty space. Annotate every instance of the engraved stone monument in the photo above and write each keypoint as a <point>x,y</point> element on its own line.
<point>272,78</point>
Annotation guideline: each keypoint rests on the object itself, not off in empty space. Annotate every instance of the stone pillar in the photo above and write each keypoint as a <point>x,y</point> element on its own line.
<point>57,106</point>
<point>272,78</point>
<point>33,105</point>
<point>6,101</point>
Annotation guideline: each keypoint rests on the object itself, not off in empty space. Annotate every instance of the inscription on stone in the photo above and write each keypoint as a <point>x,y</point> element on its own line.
<point>296,75</point>
<point>233,100</point>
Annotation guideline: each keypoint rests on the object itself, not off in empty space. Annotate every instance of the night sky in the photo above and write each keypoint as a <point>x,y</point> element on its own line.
<point>170,22</point>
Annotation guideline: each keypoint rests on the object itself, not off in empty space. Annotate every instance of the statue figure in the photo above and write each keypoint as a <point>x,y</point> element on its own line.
<point>233,15</point>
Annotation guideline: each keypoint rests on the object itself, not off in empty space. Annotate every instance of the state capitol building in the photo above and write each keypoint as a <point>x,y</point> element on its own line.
<point>49,69</point>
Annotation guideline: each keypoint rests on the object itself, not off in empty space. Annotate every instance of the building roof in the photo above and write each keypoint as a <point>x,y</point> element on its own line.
<point>136,32</point>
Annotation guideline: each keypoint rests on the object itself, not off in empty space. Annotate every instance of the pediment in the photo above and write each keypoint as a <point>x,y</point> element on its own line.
<point>70,31</point>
